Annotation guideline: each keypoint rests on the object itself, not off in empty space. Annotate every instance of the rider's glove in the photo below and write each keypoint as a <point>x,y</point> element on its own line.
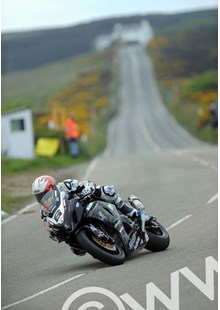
<point>43,215</point>
<point>53,237</point>
<point>68,185</point>
<point>85,190</point>
<point>74,185</point>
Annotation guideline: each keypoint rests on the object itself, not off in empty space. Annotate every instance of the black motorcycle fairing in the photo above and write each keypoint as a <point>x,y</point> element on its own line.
<point>72,217</point>
<point>106,223</point>
<point>103,212</point>
<point>128,224</point>
<point>136,242</point>
<point>76,211</point>
<point>106,213</point>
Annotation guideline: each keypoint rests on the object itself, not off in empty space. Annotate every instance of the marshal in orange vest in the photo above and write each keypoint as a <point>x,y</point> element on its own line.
<point>71,128</point>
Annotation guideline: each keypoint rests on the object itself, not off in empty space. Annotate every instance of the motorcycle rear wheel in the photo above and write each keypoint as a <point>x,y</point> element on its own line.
<point>107,253</point>
<point>159,238</point>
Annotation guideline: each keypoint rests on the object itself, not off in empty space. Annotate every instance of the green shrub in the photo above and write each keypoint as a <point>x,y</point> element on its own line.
<point>204,82</point>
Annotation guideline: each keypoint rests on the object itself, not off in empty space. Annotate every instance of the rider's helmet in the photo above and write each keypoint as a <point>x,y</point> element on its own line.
<point>43,188</point>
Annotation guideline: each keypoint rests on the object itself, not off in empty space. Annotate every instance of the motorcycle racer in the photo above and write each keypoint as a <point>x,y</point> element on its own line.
<point>83,191</point>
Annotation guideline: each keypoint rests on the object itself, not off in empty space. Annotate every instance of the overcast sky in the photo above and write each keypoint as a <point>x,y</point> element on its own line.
<point>41,14</point>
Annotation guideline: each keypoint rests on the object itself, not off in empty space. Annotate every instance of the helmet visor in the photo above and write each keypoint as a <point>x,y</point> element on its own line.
<point>49,200</point>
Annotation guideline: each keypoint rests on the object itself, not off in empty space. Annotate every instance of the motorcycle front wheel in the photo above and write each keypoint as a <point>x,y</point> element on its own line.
<point>159,238</point>
<point>107,253</point>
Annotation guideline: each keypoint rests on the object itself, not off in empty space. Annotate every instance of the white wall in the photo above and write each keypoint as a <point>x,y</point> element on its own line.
<point>17,134</point>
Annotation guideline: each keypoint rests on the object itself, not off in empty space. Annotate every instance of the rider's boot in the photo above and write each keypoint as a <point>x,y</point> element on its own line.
<point>127,210</point>
<point>134,215</point>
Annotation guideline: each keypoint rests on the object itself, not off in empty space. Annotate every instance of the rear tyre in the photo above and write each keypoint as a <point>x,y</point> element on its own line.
<point>107,253</point>
<point>159,238</point>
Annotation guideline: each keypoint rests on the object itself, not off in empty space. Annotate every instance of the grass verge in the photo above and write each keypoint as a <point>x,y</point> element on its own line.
<point>12,204</point>
<point>185,112</point>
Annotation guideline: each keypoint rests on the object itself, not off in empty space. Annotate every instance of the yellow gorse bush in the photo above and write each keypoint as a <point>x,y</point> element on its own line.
<point>87,96</point>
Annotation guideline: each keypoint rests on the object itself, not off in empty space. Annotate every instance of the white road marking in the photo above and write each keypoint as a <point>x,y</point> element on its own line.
<point>110,138</point>
<point>3,214</point>
<point>44,291</point>
<point>196,159</point>
<point>179,221</point>
<point>25,209</point>
<point>203,162</point>
<point>213,198</point>
<point>91,167</point>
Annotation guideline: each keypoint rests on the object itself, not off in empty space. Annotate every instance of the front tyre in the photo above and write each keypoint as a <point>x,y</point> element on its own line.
<point>107,253</point>
<point>159,238</point>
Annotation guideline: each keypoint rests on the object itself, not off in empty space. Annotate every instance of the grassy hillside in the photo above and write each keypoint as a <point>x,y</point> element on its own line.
<point>39,64</point>
<point>85,85</point>
<point>185,53</point>
<point>186,65</point>
<point>174,23</point>
<point>21,51</point>
<point>34,87</point>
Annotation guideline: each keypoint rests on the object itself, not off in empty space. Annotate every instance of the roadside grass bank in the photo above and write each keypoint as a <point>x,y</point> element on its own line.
<point>185,63</point>
<point>187,115</point>
<point>11,204</point>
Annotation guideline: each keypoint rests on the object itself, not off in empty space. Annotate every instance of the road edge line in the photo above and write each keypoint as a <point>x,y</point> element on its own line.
<point>43,291</point>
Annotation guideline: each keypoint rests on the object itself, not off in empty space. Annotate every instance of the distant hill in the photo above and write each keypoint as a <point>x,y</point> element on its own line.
<point>32,49</point>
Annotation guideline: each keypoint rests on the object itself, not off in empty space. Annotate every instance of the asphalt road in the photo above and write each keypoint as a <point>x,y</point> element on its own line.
<point>175,176</point>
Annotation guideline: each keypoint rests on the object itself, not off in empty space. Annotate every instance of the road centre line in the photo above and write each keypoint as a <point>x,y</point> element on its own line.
<point>213,198</point>
<point>203,162</point>
<point>179,222</point>
<point>197,160</point>
<point>44,291</point>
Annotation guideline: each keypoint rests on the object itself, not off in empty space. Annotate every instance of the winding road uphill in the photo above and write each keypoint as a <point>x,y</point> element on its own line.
<point>175,176</point>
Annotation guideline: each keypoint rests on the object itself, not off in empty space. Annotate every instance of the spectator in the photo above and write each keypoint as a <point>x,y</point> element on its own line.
<point>72,135</point>
<point>214,114</point>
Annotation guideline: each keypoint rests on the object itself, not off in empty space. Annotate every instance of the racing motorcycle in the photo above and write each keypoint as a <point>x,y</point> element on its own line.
<point>99,229</point>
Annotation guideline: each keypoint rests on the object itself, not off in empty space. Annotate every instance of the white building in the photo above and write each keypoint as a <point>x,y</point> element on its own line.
<point>17,134</point>
<point>140,33</point>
